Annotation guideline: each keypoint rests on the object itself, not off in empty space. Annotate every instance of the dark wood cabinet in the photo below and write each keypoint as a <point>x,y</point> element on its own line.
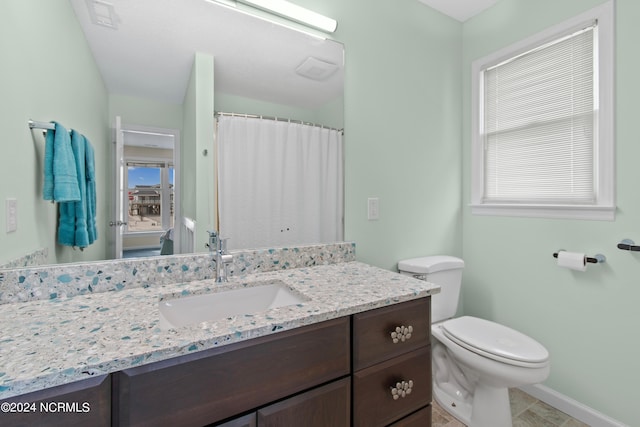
<point>213,385</point>
<point>372,341</point>
<point>244,421</point>
<point>329,405</point>
<point>421,418</point>
<point>81,403</point>
<point>374,403</point>
<point>385,355</point>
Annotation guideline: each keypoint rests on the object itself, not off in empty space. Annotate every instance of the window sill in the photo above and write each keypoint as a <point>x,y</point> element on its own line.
<point>597,213</point>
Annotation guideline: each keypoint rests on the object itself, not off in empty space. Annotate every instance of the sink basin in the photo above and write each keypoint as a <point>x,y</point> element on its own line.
<point>219,305</point>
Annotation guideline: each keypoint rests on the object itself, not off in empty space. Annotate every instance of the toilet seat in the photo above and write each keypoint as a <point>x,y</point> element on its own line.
<point>495,341</point>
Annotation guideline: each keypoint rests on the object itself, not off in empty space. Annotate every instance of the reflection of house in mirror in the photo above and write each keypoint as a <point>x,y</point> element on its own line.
<point>145,206</point>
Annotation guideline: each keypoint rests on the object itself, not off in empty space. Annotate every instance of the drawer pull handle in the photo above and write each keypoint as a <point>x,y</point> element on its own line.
<point>401,389</point>
<point>401,334</point>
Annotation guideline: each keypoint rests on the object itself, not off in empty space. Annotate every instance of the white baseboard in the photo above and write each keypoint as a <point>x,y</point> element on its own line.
<point>571,407</point>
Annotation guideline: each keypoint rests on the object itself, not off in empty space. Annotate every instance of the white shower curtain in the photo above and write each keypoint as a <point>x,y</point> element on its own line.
<point>279,183</point>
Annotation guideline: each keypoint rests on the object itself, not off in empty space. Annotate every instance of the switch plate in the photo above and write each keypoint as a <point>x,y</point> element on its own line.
<point>12,215</point>
<point>373,209</point>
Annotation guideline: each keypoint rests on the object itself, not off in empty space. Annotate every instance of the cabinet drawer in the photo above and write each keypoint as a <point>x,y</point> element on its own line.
<point>83,403</point>
<point>324,406</point>
<point>372,342</point>
<point>215,384</point>
<point>422,418</point>
<point>373,401</point>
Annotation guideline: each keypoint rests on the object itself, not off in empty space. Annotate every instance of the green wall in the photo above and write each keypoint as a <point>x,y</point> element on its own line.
<point>402,127</point>
<point>47,73</point>
<point>145,112</point>
<point>197,154</point>
<point>586,320</point>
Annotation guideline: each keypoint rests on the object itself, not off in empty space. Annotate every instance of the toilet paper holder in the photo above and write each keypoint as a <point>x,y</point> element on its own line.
<point>597,258</point>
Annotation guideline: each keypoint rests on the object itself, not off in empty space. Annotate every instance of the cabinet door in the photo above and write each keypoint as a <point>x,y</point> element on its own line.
<point>329,405</point>
<point>372,340</point>
<point>245,421</point>
<point>420,418</point>
<point>213,385</point>
<point>82,403</point>
<point>374,404</point>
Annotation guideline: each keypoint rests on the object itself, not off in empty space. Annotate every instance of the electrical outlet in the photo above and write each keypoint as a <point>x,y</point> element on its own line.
<point>12,215</point>
<point>373,209</point>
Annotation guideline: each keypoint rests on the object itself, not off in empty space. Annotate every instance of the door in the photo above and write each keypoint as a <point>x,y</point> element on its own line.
<point>117,221</point>
<point>156,150</point>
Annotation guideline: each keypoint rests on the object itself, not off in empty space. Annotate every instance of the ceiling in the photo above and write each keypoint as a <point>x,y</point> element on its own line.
<point>460,9</point>
<point>149,51</point>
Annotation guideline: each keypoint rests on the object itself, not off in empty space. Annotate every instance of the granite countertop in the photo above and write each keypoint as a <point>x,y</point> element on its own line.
<point>53,342</point>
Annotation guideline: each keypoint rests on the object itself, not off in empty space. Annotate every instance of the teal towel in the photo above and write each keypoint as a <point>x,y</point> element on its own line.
<point>76,225</point>
<point>60,178</point>
<point>90,165</point>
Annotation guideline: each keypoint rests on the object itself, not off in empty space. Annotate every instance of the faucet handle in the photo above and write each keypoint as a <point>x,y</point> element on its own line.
<point>223,244</point>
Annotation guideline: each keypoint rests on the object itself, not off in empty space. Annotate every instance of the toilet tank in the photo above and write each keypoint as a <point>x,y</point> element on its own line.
<point>442,270</point>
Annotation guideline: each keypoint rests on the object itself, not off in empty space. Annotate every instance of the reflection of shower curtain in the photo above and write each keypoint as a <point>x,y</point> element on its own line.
<point>279,183</point>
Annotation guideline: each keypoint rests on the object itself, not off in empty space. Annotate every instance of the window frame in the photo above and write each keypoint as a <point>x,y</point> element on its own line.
<point>604,157</point>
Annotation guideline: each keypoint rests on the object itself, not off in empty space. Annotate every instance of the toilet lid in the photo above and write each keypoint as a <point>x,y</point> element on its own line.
<point>494,340</point>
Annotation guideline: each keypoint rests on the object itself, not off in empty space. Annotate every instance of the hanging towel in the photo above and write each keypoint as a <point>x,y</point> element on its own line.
<point>60,177</point>
<point>77,221</point>
<point>90,171</point>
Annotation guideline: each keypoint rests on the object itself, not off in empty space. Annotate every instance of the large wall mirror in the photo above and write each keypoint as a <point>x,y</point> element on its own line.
<point>138,65</point>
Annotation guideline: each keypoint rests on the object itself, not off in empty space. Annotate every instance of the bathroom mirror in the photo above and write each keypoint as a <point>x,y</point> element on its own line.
<point>145,50</point>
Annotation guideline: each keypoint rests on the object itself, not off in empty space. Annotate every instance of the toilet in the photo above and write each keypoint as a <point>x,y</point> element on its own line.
<point>475,361</point>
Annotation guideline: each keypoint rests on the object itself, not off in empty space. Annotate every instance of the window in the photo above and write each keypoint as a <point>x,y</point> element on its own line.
<point>149,196</point>
<point>543,124</point>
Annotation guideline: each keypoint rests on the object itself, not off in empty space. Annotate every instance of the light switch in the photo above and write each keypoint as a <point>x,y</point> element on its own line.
<point>373,209</point>
<point>12,215</point>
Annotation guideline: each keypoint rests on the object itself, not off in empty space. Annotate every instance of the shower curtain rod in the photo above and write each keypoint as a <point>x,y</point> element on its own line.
<point>278,119</point>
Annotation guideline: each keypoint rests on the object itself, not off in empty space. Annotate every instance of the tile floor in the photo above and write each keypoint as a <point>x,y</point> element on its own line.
<point>526,410</point>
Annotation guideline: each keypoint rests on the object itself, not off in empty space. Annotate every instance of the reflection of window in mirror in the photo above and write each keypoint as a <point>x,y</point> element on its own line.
<point>149,200</point>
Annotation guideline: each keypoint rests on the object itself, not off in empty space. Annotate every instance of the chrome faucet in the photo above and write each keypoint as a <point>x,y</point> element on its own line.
<point>221,259</point>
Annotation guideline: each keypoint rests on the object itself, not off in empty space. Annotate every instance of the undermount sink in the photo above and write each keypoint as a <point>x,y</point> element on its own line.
<point>195,309</point>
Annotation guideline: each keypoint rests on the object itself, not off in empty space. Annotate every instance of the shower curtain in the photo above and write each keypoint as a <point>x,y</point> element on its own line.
<point>279,183</point>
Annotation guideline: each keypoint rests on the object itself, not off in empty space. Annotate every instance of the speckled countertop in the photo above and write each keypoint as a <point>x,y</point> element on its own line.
<point>52,342</point>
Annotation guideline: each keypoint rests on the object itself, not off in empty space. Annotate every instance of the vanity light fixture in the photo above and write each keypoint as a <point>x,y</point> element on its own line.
<point>284,9</point>
<point>295,13</point>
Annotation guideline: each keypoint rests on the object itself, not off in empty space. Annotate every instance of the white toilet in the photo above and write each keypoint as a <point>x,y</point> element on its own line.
<point>475,361</point>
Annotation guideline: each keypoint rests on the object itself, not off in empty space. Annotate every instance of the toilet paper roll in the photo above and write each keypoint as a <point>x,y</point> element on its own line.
<point>572,260</point>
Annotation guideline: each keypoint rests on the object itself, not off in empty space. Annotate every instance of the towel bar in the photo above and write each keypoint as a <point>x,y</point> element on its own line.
<point>41,125</point>
<point>628,245</point>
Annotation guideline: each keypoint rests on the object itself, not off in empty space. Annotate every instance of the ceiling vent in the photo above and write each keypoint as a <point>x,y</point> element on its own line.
<point>103,13</point>
<point>316,69</point>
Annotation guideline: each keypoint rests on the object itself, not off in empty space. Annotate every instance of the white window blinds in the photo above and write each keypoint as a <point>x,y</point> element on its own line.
<point>538,125</point>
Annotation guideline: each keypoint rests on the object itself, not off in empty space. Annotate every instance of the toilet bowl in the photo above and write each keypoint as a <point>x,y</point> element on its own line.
<point>475,361</point>
<point>471,379</point>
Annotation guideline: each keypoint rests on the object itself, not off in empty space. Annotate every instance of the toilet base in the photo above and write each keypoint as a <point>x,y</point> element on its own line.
<point>490,406</point>
<point>455,406</point>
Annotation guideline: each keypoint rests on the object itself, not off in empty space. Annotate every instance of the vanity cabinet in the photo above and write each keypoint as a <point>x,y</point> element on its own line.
<point>329,405</point>
<point>392,372</point>
<point>81,403</point>
<point>336,373</point>
<point>216,384</point>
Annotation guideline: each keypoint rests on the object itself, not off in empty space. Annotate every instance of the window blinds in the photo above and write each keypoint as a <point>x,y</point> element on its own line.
<point>539,124</point>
